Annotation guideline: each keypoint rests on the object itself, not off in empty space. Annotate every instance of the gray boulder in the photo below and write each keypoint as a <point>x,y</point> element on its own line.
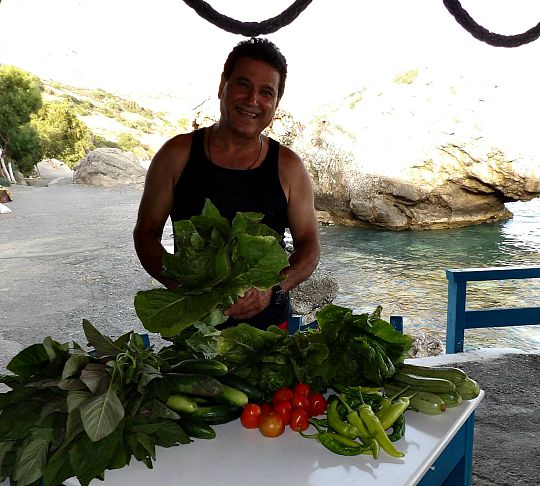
<point>108,167</point>
<point>312,294</point>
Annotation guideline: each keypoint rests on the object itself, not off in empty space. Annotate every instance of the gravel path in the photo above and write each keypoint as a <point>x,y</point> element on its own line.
<point>66,253</point>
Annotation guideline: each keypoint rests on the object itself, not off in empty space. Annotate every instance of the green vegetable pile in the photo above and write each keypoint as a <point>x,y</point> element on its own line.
<point>67,405</point>
<point>347,349</point>
<point>216,262</point>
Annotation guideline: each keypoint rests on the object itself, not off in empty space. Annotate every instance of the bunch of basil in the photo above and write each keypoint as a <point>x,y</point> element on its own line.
<point>76,413</point>
<point>216,262</point>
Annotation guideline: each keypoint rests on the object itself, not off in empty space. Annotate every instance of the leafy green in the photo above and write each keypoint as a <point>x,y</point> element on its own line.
<point>347,348</point>
<point>72,412</point>
<point>216,262</point>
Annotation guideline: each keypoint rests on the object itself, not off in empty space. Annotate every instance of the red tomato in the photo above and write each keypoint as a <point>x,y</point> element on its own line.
<point>284,408</point>
<point>317,404</point>
<point>271,424</point>
<point>266,407</point>
<point>282,394</point>
<point>300,401</point>
<point>302,389</point>
<point>251,416</point>
<point>299,419</point>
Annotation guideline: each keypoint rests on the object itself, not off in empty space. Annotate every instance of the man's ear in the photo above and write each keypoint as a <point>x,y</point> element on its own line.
<point>221,85</point>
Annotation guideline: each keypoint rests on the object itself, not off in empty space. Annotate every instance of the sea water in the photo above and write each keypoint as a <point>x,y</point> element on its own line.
<point>404,272</point>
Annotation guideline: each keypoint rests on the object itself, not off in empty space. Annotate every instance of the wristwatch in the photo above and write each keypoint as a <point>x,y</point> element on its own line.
<point>278,295</point>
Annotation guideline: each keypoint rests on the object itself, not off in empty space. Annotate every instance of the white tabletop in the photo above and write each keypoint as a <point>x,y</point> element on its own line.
<point>243,456</point>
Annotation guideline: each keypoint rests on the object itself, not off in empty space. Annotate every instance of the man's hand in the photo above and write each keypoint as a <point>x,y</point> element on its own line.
<point>253,302</point>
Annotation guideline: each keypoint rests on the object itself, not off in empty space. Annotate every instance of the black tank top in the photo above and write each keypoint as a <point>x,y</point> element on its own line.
<point>233,190</point>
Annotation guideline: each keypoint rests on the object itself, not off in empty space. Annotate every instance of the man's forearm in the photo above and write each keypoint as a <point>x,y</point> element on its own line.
<point>150,252</point>
<point>302,263</point>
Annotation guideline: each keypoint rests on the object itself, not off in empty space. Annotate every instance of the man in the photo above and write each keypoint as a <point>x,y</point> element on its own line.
<point>238,169</point>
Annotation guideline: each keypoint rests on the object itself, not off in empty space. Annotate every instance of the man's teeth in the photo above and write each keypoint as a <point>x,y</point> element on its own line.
<point>248,113</point>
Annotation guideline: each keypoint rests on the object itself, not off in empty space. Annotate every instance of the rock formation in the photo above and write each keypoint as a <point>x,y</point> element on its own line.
<point>108,167</point>
<point>415,156</point>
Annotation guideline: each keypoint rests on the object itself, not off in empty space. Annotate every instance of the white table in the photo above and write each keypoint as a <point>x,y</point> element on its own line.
<point>433,445</point>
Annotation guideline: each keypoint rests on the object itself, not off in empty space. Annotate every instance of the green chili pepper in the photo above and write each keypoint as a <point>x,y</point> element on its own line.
<point>391,414</point>
<point>345,440</point>
<point>331,442</point>
<point>384,406</point>
<point>398,429</point>
<point>375,428</point>
<point>338,425</point>
<point>338,444</point>
<point>354,419</point>
<point>374,446</point>
<point>319,422</point>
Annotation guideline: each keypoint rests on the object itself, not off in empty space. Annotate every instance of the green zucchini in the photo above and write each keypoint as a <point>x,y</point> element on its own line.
<point>233,396</point>
<point>197,429</point>
<point>217,414</point>
<point>210,367</point>
<point>469,389</point>
<point>455,375</point>
<point>428,403</point>
<point>253,393</point>
<point>194,384</point>
<point>451,399</point>
<point>181,403</point>
<point>433,385</point>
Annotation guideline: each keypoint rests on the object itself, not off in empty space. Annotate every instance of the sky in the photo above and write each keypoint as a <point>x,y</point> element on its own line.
<point>332,48</point>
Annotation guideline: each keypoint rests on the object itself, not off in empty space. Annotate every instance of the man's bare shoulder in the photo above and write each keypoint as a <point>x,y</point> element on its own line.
<point>173,154</point>
<point>289,157</point>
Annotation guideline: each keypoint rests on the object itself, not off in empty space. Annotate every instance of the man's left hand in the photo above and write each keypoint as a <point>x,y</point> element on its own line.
<point>253,302</point>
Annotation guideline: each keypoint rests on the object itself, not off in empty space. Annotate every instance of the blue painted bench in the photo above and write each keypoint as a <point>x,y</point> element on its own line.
<point>459,319</point>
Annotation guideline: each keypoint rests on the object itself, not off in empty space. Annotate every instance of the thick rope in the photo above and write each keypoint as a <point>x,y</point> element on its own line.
<point>484,35</point>
<point>248,29</point>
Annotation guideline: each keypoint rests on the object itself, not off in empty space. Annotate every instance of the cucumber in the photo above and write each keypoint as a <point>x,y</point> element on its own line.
<point>253,393</point>
<point>451,399</point>
<point>455,375</point>
<point>181,403</point>
<point>217,414</point>
<point>194,384</point>
<point>393,389</point>
<point>424,383</point>
<point>469,389</point>
<point>428,403</point>
<point>233,396</point>
<point>197,429</point>
<point>210,367</point>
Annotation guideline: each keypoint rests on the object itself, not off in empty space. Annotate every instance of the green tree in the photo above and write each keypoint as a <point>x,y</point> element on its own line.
<point>63,136</point>
<point>128,143</point>
<point>26,148</point>
<point>20,97</point>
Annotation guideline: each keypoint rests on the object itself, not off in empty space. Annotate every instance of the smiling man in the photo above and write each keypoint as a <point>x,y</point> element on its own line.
<point>238,169</point>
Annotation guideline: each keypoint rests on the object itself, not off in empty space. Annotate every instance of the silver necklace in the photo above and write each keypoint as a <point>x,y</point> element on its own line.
<point>247,168</point>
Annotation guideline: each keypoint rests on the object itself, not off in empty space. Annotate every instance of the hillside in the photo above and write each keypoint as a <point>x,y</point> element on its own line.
<point>118,121</point>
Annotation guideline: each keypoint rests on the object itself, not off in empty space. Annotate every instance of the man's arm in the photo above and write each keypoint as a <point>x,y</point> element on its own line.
<point>302,220</point>
<point>156,204</point>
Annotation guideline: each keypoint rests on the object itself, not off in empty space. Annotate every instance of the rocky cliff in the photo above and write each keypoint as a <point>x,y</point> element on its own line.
<point>414,155</point>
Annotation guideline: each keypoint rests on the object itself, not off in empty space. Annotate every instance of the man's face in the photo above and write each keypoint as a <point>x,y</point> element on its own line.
<point>249,97</point>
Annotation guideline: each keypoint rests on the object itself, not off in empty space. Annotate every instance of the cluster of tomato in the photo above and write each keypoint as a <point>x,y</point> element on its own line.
<point>290,406</point>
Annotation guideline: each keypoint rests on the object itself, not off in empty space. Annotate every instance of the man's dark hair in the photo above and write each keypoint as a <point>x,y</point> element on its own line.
<point>258,49</point>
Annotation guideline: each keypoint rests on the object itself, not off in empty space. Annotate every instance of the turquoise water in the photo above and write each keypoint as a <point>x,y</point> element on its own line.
<point>405,272</point>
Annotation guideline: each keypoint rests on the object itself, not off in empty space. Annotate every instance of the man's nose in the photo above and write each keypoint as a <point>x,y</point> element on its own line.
<point>252,96</point>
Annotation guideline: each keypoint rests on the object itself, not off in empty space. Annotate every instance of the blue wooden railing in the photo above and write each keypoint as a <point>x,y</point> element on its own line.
<point>459,319</point>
